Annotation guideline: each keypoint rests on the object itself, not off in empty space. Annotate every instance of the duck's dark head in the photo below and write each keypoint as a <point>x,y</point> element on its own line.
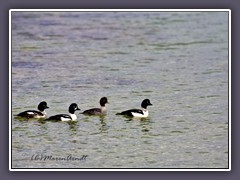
<point>145,103</point>
<point>73,107</point>
<point>42,105</point>
<point>103,101</point>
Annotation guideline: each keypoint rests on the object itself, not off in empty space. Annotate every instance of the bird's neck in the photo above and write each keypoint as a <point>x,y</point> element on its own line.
<point>103,109</point>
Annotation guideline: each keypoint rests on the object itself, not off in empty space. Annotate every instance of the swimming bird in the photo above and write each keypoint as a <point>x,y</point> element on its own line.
<point>98,111</point>
<point>138,112</point>
<point>66,117</point>
<point>34,113</point>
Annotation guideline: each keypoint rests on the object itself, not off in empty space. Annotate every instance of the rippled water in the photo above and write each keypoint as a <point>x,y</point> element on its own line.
<point>179,60</point>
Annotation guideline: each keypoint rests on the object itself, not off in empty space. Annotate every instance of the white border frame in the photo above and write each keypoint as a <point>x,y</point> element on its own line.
<point>119,10</point>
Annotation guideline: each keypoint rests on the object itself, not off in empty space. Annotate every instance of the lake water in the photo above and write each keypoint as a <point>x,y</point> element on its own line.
<point>179,60</point>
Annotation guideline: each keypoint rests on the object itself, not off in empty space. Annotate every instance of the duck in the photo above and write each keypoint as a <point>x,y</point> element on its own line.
<point>98,111</point>
<point>141,113</point>
<point>34,113</point>
<point>65,117</point>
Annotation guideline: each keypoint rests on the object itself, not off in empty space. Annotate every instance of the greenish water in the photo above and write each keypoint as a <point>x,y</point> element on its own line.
<point>179,60</point>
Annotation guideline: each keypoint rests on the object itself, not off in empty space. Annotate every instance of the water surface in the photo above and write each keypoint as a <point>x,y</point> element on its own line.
<point>179,60</point>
